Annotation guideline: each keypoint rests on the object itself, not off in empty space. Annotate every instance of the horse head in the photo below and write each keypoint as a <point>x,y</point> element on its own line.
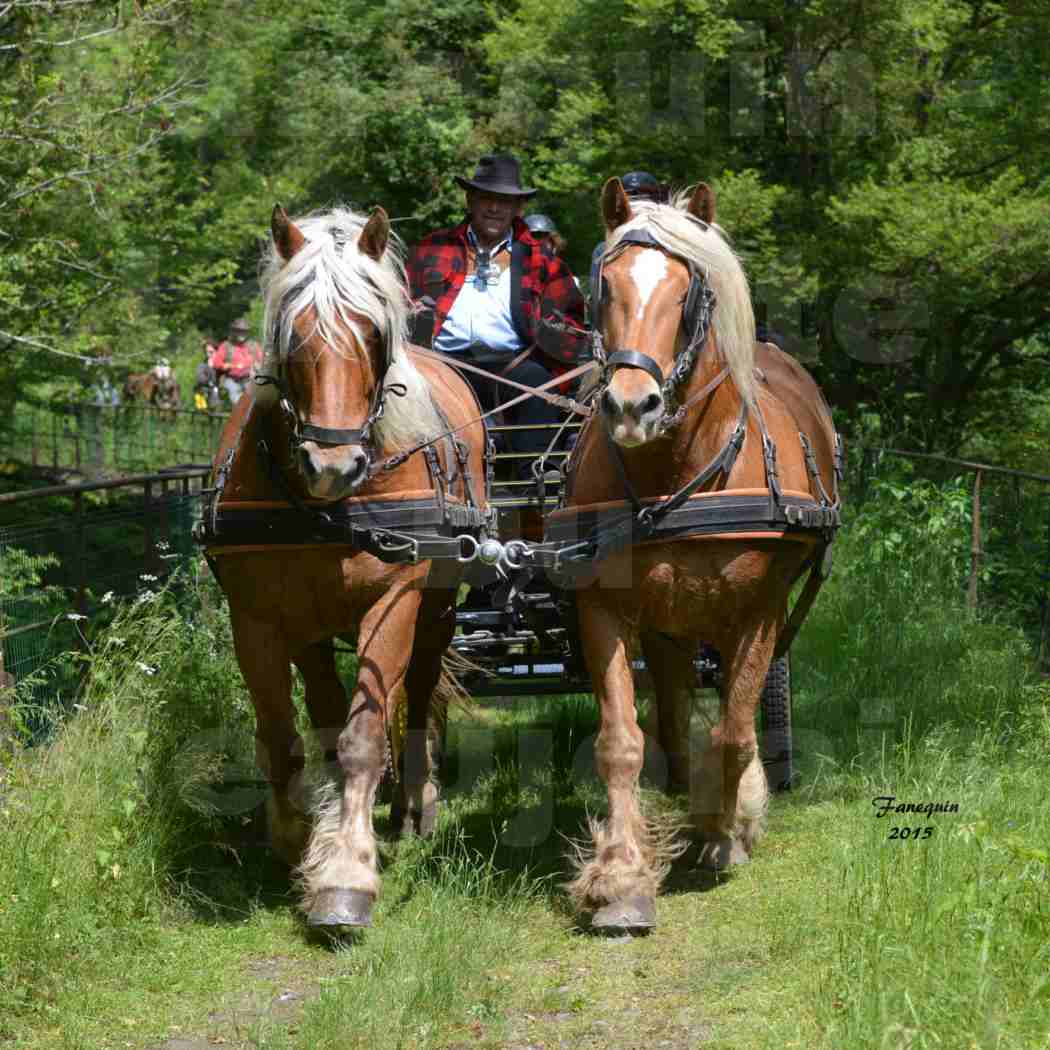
<point>662,270</point>
<point>333,310</point>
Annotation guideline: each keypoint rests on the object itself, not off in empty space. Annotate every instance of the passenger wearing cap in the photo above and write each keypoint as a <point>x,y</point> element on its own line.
<point>638,185</point>
<point>234,359</point>
<point>543,229</point>
<point>491,283</point>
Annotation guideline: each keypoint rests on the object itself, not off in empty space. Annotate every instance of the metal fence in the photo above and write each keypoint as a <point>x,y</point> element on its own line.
<point>1008,531</point>
<point>64,547</point>
<point>102,440</point>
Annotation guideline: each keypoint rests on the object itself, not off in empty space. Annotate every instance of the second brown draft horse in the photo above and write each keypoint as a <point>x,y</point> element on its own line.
<point>683,411</point>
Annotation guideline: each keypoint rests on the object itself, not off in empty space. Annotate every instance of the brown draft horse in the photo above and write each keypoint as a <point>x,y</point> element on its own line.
<point>146,387</point>
<point>338,386</point>
<point>669,594</point>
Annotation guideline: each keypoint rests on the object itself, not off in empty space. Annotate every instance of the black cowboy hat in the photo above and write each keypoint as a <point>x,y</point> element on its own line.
<point>497,173</point>
<point>240,325</point>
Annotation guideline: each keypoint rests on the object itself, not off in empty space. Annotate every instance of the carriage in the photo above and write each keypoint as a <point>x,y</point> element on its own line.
<point>360,494</point>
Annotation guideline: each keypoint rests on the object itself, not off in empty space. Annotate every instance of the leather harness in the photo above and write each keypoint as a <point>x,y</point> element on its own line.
<point>436,526</point>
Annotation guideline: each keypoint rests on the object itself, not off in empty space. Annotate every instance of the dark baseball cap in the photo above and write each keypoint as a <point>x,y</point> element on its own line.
<point>641,184</point>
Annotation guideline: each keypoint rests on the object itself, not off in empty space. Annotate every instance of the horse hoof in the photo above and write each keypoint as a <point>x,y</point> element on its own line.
<point>341,908</point>
<point>625,915</point>
<point>428,820</point>
<point>722,854</point>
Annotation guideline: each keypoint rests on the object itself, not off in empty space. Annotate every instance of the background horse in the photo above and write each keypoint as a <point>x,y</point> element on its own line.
<point>338,386</point>
<point>149,389</point>
<point>731,590</point>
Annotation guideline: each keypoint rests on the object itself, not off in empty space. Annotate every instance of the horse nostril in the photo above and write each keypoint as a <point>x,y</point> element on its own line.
<point>358,467</point>
<point>609,405</point>
<point>651,404</point>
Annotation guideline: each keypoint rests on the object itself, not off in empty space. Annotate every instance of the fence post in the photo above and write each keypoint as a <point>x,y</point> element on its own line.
<point>80,553</point>
<point>147,526</point>
<point>975,543</point>
<point>77,418</point>
<point>165,519</point>
<point>1044,631</point>
<point>54,437</point>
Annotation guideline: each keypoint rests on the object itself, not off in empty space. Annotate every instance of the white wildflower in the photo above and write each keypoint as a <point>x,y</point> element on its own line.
<point>145,668</point>
<point>148,577</point>
<point>75,616</point>
<point>107,597</point>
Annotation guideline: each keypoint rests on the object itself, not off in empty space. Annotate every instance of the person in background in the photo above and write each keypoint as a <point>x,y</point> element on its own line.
<point>205,389</point>
<point>542,227</point>
<point>103,392</point>
<point>492,284</point>
<point>234,359</point>
<point>638,185</point>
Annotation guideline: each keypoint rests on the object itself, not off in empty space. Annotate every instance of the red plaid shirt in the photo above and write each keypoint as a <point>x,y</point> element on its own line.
<point>441,262</point>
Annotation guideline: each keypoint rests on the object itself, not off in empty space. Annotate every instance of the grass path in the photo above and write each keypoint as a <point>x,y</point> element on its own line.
<point>460,961</point>
<point>719,971</point>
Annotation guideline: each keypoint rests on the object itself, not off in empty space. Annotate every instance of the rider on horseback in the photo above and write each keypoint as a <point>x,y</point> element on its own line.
<point>492,284</point>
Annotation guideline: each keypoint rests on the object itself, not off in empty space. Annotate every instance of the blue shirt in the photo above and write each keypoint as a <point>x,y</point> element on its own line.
<point>481,311</point>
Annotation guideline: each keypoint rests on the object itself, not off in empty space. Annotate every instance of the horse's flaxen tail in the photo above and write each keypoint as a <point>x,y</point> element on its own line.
<point>450,693</point>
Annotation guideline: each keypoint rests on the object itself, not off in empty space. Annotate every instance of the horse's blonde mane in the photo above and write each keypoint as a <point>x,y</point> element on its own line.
<point>331,275</point>
<point>680,234</point>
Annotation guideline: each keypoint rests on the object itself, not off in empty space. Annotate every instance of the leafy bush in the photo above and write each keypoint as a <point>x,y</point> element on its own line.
<point>96,828</point>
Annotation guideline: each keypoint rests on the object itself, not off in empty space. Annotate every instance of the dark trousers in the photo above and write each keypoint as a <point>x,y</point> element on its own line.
<point>533,410</point>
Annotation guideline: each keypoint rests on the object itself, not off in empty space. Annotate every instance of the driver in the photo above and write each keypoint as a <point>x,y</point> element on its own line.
<point>492,282</point>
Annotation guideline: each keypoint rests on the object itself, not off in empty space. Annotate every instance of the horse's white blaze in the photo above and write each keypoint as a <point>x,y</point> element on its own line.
<point>648,270</point>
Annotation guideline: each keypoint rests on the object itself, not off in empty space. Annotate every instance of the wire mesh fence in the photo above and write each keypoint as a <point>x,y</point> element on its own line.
<point>1001,528</point>
<point>100,440</point>
<point>65,549</point>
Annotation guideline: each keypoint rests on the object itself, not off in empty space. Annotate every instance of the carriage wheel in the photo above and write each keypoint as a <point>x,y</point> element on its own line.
<point>776,725</point>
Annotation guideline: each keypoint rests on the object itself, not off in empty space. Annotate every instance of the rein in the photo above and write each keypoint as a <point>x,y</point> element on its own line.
<point>395,461</point>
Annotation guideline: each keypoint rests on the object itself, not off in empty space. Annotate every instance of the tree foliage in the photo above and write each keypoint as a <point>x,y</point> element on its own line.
<point>881,166</point>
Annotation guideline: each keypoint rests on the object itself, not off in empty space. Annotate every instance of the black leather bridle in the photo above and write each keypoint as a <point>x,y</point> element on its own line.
<point>300,432</point>
<point>697,308</point>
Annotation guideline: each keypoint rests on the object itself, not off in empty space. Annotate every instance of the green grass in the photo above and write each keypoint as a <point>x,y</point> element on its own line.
<point>835,936</point>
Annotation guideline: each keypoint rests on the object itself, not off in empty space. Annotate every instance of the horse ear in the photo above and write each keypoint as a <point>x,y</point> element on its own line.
<point>287,237</point>
<point>616,208</point>
<point>375,235</point>
<point>702,203</point>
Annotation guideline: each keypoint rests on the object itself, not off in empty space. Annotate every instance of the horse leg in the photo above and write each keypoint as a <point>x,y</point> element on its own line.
<point>340,872</point>
<point>325,697</point>
<point>619,878</point>
<point>415,810</point>
<point>729,797</point>
<point>670,664</point>
<point>262,654</point>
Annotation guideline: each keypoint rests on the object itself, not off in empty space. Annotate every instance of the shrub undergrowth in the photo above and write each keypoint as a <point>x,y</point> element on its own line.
<point>99,823</point>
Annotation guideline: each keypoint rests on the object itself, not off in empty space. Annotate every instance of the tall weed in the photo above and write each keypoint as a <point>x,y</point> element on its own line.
<point>96,823</point>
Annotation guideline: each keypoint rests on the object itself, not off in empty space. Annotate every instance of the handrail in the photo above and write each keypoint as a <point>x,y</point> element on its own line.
<point>984,467</point>
<point>171,474</point>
